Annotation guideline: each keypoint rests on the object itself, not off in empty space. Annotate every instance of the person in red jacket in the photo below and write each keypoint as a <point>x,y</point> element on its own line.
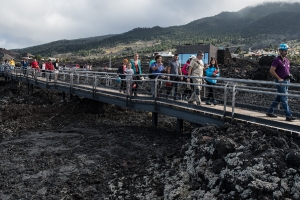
<point>49,68</point>
<point>35,66</point>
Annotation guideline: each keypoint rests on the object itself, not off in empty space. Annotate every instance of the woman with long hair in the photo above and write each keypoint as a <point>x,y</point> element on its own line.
<point>137,69</point>
<point>212,71</point>
<point>121,73</point>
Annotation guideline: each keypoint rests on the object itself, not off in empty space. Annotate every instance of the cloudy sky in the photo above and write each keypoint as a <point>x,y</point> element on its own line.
<point>25,23</point>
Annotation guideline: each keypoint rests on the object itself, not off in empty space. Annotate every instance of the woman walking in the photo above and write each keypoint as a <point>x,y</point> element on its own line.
<point>137,69</point>
<point>212,71</point>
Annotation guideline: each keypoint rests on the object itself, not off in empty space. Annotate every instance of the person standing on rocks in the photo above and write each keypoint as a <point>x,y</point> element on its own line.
<point>212,71</point>
<point>280,69</point>
<point>137,69</point>
<point>196,70</point>
<point>174,68</point>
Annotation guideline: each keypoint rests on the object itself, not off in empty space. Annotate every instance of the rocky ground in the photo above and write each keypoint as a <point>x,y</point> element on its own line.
<point>80,149</point>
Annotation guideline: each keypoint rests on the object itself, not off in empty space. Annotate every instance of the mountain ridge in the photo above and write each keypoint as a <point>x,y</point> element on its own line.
<point>244,27</point>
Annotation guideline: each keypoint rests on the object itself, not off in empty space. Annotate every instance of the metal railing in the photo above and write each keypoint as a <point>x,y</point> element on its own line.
<point>228,92</point>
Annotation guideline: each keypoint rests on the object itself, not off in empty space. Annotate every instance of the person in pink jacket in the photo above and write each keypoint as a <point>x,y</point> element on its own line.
<point>185,70</point>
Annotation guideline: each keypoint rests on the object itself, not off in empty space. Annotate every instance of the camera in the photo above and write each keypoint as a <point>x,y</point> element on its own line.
<point>290,77</point>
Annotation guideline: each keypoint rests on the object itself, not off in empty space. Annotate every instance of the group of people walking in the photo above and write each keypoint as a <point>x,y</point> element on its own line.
<point>191,72</point>
<point>43,67</point>
<point>126,71</point>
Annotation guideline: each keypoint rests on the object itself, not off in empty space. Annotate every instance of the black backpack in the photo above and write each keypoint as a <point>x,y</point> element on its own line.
<point>150,72</point>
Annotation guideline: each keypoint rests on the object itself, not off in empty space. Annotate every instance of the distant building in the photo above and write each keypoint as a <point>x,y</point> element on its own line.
<point>224,56</point>
<point>185,51</point>
<point>27,56</point>
<point>52,59</point>
<point>165,54</point>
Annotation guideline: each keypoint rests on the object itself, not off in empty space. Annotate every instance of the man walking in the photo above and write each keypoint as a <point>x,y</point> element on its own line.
<point>196,70</point>
<point>280,69</point>
<point>24,64</point>
<point>174,68</point>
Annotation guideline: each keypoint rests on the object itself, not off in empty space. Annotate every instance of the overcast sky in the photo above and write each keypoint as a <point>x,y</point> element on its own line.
<point>25,23</point>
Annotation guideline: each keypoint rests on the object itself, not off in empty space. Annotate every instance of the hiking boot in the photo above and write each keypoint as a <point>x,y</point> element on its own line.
<point>208,102</point>
<point>215,102</point>
<point>271,115</point>
<point>192,102</point>
<point>290,118</point>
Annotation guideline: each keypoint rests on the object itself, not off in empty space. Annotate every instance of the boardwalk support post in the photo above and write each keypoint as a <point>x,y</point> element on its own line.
<point>28,88</point>
<point>63,96</point>
<point>31,88</point>
<point>179,125</point>
<point>154,119</point>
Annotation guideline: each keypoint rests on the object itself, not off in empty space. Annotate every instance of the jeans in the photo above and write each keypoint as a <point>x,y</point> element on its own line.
<point>211,94</point>
<point>175,85</point>
<point>196,93</point>
<point>281,99</point>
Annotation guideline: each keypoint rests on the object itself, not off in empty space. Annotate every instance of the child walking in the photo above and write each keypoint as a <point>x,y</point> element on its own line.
<point>128,72</point>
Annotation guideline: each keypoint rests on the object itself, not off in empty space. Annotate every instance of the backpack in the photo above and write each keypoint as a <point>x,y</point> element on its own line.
<point>150,72</point>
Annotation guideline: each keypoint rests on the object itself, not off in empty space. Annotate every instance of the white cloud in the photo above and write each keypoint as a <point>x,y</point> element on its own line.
<point>25,23</point>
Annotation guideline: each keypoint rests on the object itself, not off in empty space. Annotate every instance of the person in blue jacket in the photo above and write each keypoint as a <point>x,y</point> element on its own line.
<point>137,69</point>
<point>212,71</point>
<point>24,64</point>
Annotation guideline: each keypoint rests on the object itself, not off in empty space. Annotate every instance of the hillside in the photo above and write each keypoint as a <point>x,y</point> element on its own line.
<point>65,46</point>
<point>251,26</point>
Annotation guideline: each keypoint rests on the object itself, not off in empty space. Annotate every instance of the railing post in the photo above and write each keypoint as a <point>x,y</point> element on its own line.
<point>225,101</point>
<point>55,74</point>
<point>233,102</point>
<point>128,98</point>
<point>154,119</point>
<point>63,96</point>
<point>106,80</point>
<point>95,82</point>
<point>179,125</point>
<point>28,88</point>
<point>71,83</point>
<point>155,87</point>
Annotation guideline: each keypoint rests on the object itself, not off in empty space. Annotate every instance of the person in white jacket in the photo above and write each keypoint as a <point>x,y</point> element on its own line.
<point>128,72</point>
